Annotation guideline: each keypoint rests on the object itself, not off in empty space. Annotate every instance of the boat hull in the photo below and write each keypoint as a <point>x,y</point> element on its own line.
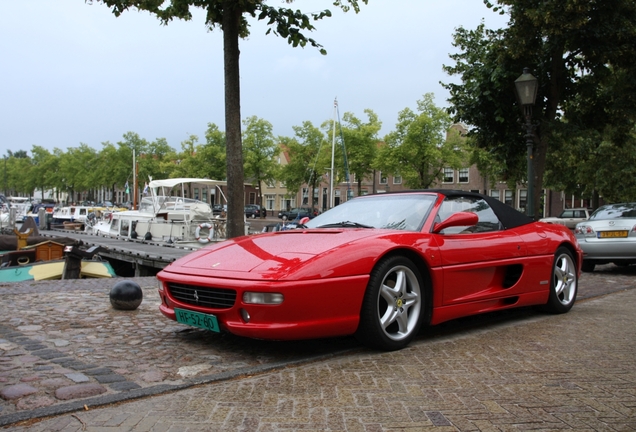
<point>53,270</point>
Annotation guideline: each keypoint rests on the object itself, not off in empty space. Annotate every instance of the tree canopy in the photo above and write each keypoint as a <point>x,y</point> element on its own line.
<point>259,152</point>
<point>361,141</point>
<point>418,149</point>
<point>231,16</point>
<point>582,54</point>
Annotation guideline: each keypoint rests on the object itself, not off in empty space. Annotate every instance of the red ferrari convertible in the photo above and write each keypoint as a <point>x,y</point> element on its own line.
<point>379,267</point>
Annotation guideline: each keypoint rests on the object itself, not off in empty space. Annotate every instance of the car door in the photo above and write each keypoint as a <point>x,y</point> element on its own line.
<point>568,218</point>
<point>476,261</point>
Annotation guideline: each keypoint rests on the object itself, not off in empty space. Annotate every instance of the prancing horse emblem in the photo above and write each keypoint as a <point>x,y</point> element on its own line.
<point>196,296</point>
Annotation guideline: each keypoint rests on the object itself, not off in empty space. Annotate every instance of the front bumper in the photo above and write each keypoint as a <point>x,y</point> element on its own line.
<point>310,309</point>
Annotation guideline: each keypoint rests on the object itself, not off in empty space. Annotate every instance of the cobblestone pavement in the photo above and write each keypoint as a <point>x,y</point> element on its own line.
<point>69,361</point>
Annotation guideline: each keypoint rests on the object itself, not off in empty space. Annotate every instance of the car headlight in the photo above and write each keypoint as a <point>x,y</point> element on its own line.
<point>262,298</point>
<point>159,285</point>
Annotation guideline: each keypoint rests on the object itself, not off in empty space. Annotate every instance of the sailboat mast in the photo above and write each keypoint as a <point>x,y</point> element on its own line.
<point>134,181</point>
<point>333,147</point>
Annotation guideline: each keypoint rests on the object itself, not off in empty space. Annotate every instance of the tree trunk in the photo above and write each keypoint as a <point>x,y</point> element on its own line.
<point>262,211</point>
<point>235,204</point>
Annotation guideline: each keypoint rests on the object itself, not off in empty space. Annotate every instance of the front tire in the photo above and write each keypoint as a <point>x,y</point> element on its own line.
<point>564,282</point>
<point>393,305</point>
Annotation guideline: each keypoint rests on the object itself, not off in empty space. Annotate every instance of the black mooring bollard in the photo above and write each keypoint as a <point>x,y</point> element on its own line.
<point>126,295</point>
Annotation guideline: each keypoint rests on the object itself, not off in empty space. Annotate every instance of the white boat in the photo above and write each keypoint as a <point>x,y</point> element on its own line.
<point>22,205</point>
<point>78,215</point>
<point>168,219</point>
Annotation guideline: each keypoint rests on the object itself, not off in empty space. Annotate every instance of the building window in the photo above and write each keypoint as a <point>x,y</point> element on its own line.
<point>383,179</point>
<point>204,195</point>
<point>463,175</point>
<point>196,193</point>
<point>449,175</point>
<point>287,203</point>
<point>509,197</point>
<point>252,198</point>
<point>523,199</point>
<point>494,193</point>
<point>397,179</point>
<point>269,202</point>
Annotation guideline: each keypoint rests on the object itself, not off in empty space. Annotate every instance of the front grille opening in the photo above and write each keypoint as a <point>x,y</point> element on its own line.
<point>217,298</point>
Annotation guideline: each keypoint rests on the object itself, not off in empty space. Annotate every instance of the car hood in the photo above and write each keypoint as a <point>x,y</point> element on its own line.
<point>267,256</point>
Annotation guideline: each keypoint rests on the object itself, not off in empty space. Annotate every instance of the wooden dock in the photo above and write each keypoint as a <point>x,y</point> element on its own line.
<point>146,258</point>
<point>137,257</point>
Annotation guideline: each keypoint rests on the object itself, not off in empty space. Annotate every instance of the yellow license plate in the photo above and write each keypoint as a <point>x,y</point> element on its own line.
<point>612,234</point>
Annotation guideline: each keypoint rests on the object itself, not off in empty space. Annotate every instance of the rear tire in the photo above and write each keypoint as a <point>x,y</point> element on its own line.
<point>393,305</point>
<point>588,266</point>
<point>564,282</point>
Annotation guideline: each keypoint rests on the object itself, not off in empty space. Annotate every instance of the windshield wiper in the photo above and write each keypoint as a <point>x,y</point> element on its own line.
<point>345,224</point>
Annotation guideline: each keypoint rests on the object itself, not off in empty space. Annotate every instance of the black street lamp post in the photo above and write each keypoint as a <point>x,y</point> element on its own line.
<point>526,86</point>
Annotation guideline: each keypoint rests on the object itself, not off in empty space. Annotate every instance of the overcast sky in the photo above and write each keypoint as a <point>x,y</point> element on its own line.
<point>73,73</point>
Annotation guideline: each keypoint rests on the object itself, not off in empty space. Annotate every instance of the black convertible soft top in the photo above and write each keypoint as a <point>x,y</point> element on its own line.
<point>509,217</point>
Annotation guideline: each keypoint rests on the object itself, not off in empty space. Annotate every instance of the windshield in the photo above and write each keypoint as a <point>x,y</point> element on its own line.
<point>403,212</point>
<point>615,211</point>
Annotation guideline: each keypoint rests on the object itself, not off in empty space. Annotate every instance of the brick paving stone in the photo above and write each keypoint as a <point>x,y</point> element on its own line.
<point>57,330</point>
<point>17,391</point>
<point>510,371</point>
<point>79,391</point>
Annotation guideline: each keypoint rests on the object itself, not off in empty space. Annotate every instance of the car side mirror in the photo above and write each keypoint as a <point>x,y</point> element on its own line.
<point>457,219</point>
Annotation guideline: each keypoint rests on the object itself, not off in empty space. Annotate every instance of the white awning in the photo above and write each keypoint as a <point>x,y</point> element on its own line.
<point>170,183</point>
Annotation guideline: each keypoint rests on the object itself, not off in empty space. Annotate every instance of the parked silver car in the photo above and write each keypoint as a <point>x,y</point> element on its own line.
<point>609,235</point>
<point>570,217</point>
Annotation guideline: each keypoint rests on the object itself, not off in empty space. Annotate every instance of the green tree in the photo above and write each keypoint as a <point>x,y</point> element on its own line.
<point>361,143</point>
<point>150,161</point>
<point>259,153</point>
<point>582,54</point>
<point>19,154</point>
<point>421,146</point>
<point>106,168</point>
<point>593,164</point>
<point>75,168</point>
<point>17,168</point>
<point>213,153</point>
<point>187,164</point>
<point>303,166</point>
<point>44,164</point>
<point>123,169</point>
<point>231,17</point>
<point>202,160</point>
